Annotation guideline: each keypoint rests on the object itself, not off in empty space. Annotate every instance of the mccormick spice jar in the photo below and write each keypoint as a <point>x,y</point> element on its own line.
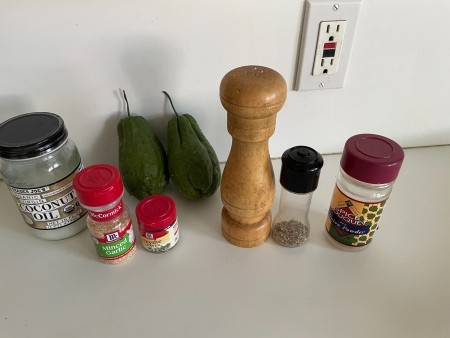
<point>38,162</point>
<point>369,166</point>
<point>158,224</point>
<point>100,190</point>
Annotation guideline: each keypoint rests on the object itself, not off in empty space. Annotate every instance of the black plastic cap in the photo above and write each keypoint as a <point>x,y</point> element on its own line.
<point>31,135</point>
<point>300,170</point>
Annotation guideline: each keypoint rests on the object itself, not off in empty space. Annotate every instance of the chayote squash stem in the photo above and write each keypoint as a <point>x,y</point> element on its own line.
<point>126,101</point>
<point>171,103</point>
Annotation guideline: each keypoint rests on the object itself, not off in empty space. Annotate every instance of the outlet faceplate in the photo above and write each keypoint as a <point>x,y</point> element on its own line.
<point>322,61</point>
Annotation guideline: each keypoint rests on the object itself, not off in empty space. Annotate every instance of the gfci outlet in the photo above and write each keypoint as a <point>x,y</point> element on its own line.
<point>326,43</point>
<point>329,45</point>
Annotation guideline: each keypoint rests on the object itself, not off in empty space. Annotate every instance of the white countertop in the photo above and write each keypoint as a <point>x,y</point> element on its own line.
<point>205,287</point>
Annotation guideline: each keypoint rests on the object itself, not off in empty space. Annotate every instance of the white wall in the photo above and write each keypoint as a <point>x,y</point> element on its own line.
<point>71,57</point>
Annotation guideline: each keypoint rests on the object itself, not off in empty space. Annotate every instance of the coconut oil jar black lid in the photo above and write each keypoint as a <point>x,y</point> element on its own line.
<point>300,170</point>
<point>31,135</point>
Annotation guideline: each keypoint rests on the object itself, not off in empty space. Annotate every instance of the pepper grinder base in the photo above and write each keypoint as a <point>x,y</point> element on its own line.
<point>246,235</point>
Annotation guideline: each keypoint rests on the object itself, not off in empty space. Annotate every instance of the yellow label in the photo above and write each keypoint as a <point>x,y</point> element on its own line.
<point>352,222</point>
<point>160,241</point>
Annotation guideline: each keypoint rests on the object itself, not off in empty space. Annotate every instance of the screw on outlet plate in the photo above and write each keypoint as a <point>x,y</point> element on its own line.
<point>322,85</point>
<point>335,7</point>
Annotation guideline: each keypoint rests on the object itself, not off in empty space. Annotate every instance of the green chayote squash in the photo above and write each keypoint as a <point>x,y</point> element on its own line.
<point>193,164</point>
<point>142,158</point>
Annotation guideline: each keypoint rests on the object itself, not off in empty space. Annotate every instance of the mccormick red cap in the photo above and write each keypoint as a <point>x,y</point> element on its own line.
<point>156,212</point>
<point>372,158</point>
<point>98,185</point>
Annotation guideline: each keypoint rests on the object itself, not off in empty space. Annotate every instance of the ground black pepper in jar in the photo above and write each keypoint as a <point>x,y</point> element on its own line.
<point>299,178</point>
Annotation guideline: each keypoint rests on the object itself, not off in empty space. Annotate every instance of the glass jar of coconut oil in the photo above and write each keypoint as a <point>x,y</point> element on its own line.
<point>38,162</point>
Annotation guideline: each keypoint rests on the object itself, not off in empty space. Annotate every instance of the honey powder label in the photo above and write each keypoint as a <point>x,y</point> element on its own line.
<point>49,207</point>
<point>352,222</point>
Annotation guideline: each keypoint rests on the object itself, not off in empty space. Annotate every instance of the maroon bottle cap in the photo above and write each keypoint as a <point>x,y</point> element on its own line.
<point>372,158</point>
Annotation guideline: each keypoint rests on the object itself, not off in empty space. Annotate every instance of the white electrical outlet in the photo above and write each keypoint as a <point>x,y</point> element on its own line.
<point>325,44</point>
<point>329,45</point>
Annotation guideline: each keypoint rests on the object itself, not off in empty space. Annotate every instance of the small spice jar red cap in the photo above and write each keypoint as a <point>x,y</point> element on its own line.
<point>155,213</point>
<point>98,185</point>
<point>372,158</point>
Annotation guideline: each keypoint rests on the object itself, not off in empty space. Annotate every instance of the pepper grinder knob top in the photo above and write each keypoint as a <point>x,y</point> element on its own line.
<point>253,91</point>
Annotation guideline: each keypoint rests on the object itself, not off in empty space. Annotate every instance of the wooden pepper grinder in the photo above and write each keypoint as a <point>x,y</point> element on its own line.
<point>252,96</point>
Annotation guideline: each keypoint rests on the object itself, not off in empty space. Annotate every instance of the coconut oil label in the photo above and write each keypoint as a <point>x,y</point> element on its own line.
<point>49,207</point>
<point>352,222</point>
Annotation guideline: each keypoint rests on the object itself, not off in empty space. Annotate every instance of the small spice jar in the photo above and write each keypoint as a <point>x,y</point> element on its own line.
<point>299,177</point>
<point>100,190</point>
<point>158,223</point>
<point>368,169</point>
<point>38,161</point>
